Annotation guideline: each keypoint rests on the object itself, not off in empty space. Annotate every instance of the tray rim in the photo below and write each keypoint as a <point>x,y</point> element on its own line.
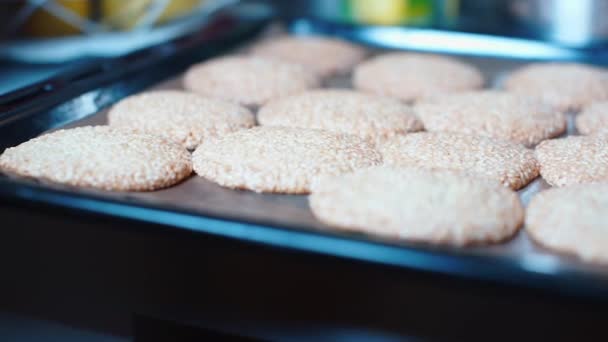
<point>443,260</point>
<point>433,40</point>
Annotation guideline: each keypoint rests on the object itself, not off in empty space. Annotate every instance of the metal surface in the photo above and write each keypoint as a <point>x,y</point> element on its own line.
<point>568,23</point>
<point>579,23</point>
<point>285,221</point>
<point>446,41</point>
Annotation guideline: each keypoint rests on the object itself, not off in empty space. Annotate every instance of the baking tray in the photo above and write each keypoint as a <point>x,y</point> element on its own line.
<point>282,221</point>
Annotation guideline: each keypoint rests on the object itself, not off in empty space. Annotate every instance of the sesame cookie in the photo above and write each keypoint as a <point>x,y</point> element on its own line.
<point>100,157</point>
<point>437,207</point>
<point>372,117</point>
<point>413,76</point>
<point>185,118</point>
<point>280,159</point>
<point>593,119</point>
<point>510,164</point>
<point>250,81</point>
<point>493,114</point>
<point>572,220</point>
<point>326,56</point>
<point>573,160</point>
<point>566,86</point>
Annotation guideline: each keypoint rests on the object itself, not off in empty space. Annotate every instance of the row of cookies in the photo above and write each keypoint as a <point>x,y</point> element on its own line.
<point>188,119</point>
<point>270,70</point>
<point>484,132</point>
<point>351,188</point>
<point>445,90</point>
<point>220,132</point>
<point>442,207</point>
<point>276,154</point>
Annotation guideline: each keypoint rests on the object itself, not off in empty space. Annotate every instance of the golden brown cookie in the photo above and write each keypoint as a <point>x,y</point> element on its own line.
<point>280,159</point>
<point>326,56</point>
<point>593,119</point>
<point>372,117</point>
<point>508,163</point>
<point>572,220</point>
<point>573,160</point>
<point>414,76</point>
<point>493,114</point>
<point>100,157</point>
<point>437,207</point>
<point>565,86</point>
<point>250,81</point>
<point>185,118</point>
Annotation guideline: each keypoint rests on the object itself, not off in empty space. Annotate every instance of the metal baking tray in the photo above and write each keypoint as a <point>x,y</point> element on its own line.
<point>283,221</point>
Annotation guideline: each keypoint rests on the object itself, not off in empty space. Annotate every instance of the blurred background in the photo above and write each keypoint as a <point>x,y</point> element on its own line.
<point>39,38</point>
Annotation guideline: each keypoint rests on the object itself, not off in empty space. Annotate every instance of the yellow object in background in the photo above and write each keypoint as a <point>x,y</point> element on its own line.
<point>44,24</point>
<point>399,12</point>
<point>178,8</point>
<point>112,15</point>
<point>123,15</point>
<point>380,12</point>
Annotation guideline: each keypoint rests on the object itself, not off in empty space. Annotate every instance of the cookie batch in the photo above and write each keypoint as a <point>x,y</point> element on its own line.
<point>417,149</point>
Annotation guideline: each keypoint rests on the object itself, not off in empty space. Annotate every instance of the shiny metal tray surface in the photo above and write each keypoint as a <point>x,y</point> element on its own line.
<point>285,221</point>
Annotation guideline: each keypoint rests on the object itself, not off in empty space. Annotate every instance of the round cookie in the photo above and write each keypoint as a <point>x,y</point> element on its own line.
<point>185,118</point>
<point>280,159</point>
<point>436,207</point>
<point>593,119</point>
<point>413,76</point>
<point>573,160</point>
<point>572,220</point>
<point>565,86</point>
<point>493,114</point>
<point>100,157</point>
<point>372,117</point>
<point>326,56</point>
<point>248,80</point>
<point>510,164</point>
